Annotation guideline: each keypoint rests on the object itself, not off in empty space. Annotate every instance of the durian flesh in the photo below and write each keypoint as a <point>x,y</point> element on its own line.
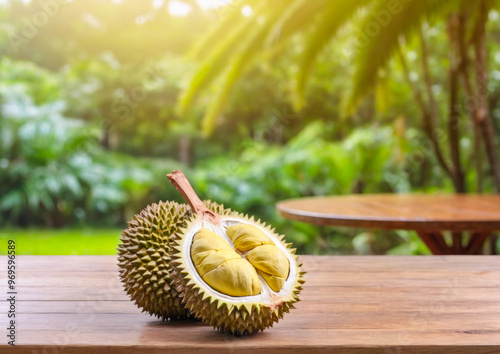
<point>234,269</point>
<point>238,276</point>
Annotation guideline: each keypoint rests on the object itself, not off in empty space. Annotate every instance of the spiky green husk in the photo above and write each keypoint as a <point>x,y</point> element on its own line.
<point>240,318</point>
<point>144,259</point>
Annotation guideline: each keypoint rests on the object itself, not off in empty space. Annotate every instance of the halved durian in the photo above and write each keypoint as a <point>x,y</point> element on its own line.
<point>235,273</point>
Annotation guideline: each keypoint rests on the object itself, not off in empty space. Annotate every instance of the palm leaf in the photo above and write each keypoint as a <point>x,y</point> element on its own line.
<point>297,16</point>
<point>274,28</point>
<point>330,21</point>
<point>286,18</point>
<point>220,56</point>
<point>272,24</point>
<point>377,50</point>
<point>234,72</point>
<point>231,21</point>
<point>221,96</point>
<point>212,66</point>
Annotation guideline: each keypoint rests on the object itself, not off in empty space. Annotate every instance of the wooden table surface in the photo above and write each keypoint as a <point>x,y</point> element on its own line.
<point>352,304</point>
<point>398,211</point>
<point>471,218</point>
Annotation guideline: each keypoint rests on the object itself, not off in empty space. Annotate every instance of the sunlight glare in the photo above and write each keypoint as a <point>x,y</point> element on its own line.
<point>213,4</point>
<point>157,4</point>
<point>178,8</point>
<point>246,10</point>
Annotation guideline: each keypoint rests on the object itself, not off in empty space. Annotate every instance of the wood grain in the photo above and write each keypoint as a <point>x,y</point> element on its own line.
<point>384,304</point>
<point>398,211</point>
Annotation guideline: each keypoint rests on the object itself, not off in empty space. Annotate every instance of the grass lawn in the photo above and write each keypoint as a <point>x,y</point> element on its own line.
<point>63,241</point>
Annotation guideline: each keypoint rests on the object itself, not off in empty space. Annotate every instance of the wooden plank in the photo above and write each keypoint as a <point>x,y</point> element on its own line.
<point>372,305</point>
<point>312,293</point>
<point>108,264</point>
<point>282,347</point>
<point>431,320</point>
<point>448,304</point>
<point>489,278</point>
<point>176,335</point>
<point>313,264</point>
<point>299,349</point>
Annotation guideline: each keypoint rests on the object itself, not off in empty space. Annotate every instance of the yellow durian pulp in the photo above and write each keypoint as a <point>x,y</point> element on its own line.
<point>233,271</point>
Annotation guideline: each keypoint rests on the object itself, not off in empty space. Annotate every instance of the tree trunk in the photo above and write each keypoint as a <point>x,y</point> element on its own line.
<point>455,24</point>
<point>56,215</point>
<point>454,134</point>
<point>470,102</point>
<point>185,149</point>
<point>106,135</point>
<point>427,122</point>
<point>433,111</point>
<point>482,115</point>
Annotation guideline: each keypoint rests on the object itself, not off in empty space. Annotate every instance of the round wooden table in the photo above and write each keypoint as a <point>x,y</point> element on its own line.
<point>471,219</point>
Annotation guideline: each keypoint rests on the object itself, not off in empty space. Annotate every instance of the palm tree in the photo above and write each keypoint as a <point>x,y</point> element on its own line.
<point>237,42</point>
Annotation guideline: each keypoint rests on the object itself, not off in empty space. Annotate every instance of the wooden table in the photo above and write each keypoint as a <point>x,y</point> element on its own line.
<point>351,304</point>
<point>471,219</point>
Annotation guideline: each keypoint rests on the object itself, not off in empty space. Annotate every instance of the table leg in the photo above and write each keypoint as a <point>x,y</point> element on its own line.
<point>476,242</point>
<point>435,242</point>
<point>442,242</point>
<point>493,244</point>
<point>457,242</point>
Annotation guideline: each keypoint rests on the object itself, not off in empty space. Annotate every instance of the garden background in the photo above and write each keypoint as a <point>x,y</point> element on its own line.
<point>90,119</point>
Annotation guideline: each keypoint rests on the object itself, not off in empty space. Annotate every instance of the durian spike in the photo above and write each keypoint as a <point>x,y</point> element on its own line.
<point>181,183</point>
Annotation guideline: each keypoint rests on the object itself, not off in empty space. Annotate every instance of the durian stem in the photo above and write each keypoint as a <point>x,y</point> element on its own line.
<point>181,183</point>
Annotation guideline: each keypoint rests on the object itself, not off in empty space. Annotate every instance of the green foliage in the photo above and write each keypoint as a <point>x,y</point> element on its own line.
<point>40,85</point>
<point>318,37</point>
<point>270,28</point>
<point>53,169</point>
<point>378,29</point>
<point>411,244</point>
<point>377,46</point>
<point>90,125</point>
<point>309,165</point>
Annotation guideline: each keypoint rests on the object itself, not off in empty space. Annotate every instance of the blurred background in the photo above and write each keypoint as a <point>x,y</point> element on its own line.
<point>255,101</point>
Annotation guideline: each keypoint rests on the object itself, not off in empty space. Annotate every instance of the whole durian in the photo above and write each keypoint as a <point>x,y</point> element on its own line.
<point>233,272</point>
<point>144,259</point>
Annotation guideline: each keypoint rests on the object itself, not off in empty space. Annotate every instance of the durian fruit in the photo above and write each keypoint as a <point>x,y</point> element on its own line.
<point>144,259</point>
<point>233,272</point>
